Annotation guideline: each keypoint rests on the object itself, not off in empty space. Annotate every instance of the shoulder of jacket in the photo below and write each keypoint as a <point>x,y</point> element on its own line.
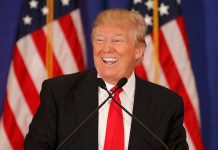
<point>158,90</point>
<point>67,81</point>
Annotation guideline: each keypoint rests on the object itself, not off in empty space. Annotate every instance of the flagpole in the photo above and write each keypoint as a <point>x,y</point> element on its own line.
<point>156,40</point>
<point>49,38</point>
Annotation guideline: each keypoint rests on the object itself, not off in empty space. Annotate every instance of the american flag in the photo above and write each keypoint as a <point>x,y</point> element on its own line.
<point>173,67</point>
<point>31,55</point>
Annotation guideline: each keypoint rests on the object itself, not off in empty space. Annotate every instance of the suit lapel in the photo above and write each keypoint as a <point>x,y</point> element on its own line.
<point>86,101</point>
<point>142,110</point>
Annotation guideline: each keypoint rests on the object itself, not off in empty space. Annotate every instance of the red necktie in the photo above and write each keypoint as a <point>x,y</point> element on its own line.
<point>114,138</point>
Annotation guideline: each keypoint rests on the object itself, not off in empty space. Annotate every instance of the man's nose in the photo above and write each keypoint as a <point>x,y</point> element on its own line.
<point>108,46</point>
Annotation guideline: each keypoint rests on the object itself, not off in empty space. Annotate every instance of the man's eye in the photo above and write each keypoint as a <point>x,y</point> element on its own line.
<point>99,40</point>
<point>118,41</point>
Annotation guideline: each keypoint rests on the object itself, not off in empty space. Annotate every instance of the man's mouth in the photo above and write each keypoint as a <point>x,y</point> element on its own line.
<point>109,60</point>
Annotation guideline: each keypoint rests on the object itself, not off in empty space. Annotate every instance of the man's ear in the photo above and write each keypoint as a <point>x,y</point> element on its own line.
<point>139,55</point>
<point>140,49</point>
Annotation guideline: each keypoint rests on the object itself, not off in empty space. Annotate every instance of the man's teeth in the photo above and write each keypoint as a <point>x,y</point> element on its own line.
<point>113,59</point>
<point>109,60</point>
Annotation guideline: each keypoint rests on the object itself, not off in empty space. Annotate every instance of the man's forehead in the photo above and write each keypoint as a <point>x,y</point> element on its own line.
<point>114,34</point>
<point>110,29</point>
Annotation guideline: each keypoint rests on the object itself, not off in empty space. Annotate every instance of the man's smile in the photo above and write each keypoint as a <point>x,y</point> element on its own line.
<point>109,60</point>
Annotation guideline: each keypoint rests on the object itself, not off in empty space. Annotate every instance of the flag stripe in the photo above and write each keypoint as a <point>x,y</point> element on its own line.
<point>70,34</point>
<point>40,42</point>
<point>62,50</point>
<point>181,26</point>
<point>189,141</point>
<point>17,102</point>
<point>12,130</point>
<point>27,50</point>
<point>25,81</point>
<point>148,56</point>
<point>148,63</point>
<point>140,71</point>
<point>76,17</point>
<point>176,84</point>
<point>4,142</point>
<point>182,62</point>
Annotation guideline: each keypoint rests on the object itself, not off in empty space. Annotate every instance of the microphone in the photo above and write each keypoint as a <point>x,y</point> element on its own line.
<point>100,83</point>
<point>120,84</point>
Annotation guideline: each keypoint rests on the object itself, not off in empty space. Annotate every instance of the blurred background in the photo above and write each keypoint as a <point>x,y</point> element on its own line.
<point>200,26</point>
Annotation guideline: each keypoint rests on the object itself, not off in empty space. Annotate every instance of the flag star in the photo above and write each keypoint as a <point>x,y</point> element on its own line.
<point>65,2</point>
<point>149,4</point>
<point>33,4</point>
<point>148,20</point>
<point>27,20</point>
<point>164,9</point>
<point>133,10</point>
<point>178,2</point>
<point>44,10</point>
<point>137,1</point>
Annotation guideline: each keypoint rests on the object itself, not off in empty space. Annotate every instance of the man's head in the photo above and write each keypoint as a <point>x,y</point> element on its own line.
<point>118,39</point>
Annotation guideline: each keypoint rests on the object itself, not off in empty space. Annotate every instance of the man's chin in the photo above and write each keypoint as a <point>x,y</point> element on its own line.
<point>110,78</point>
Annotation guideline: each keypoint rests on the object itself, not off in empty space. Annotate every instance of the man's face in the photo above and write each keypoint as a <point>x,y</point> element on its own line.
<point>115,52</point>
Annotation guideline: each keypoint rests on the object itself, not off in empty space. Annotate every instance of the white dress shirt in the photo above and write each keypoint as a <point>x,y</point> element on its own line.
<point>127,101</point>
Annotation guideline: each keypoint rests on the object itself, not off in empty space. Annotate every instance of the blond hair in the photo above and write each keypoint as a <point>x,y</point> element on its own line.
<point>122,18</point>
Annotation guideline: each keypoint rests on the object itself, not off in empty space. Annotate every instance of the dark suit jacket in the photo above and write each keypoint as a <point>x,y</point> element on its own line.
<point>67,100</point>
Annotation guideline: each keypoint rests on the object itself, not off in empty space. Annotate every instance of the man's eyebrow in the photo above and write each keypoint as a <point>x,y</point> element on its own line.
<point>98,34</point>
<point>119,35</point>
<point>116,35</point>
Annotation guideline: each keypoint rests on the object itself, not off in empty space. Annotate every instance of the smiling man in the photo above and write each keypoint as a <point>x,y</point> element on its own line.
<point>118,40</point>
<point>118,43</point>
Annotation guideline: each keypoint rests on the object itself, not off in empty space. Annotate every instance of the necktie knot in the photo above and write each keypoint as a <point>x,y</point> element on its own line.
<point>118,91</point>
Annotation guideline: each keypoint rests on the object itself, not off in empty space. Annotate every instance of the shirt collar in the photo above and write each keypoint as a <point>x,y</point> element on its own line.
<point>128,88</point>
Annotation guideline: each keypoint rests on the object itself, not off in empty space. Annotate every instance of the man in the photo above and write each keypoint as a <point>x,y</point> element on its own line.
<point>118,43</point>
